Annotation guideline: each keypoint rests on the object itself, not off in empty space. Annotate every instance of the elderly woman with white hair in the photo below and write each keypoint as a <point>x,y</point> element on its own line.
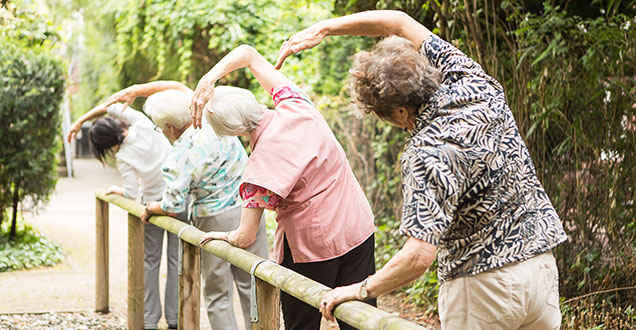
<point>206,169</point>
<point>298,169</point>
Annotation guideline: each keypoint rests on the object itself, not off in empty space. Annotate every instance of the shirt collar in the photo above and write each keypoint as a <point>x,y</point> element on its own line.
<point>425,114</point>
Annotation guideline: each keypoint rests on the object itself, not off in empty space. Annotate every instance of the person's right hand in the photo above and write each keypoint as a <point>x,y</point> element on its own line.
<point>202,95</point>
<point>75,128</point>
<point>126,96</point>
<point>305,39</point>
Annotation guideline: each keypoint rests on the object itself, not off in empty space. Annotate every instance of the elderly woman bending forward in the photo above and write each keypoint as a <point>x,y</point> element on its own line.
<point>471,192</point>
<point>298,169</point>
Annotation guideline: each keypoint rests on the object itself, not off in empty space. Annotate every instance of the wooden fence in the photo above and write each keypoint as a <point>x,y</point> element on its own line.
<point>268,277</point>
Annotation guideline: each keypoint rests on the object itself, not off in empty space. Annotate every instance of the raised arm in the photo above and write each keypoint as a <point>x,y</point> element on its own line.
<point>98,111</point>
<point>243,56</point>
<point>372,23</point>
<point>129,94</point>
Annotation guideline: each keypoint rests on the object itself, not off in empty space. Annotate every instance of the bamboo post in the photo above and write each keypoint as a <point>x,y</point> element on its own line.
<point>268,299</point>
<point>101,256</point>
<point>135,273</point>
<point>190,287</point>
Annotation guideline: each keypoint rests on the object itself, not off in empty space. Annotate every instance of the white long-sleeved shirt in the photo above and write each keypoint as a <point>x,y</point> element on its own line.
<point>141,155</point>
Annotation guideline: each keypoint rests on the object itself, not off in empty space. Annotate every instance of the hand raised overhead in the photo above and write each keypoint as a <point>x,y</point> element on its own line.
<point>305,39</point>
<point>202,95</point>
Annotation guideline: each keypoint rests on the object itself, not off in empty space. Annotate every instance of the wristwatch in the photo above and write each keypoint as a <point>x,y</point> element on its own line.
<point>364,294</point>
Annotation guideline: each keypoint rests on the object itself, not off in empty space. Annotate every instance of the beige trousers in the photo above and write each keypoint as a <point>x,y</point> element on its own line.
<point>522,296</point>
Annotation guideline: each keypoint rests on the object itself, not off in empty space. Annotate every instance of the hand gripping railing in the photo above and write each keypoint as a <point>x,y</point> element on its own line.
<point>269,276</point>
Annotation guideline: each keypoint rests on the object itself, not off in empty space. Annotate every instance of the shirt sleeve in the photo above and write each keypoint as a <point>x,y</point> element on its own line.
<point>131,116</point>
<point>452,62</point>
<point>129,179</point>
<point>178,172</point>
<point>286,92</point>
<point>430,194</point>
<point>258,197</point>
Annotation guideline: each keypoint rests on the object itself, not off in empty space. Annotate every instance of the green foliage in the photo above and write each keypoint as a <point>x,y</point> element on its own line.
<point>31,89</point>
<point>21,22</point>
<point>28,249</point>
<point>567,67</point>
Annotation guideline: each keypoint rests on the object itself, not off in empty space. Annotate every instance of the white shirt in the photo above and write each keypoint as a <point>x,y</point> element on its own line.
<point>141,155</point>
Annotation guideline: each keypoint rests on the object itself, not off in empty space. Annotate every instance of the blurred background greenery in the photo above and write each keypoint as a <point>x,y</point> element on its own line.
<point>568,68</point>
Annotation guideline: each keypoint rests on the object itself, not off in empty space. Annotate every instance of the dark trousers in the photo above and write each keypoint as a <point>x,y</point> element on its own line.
<point>352,267</point>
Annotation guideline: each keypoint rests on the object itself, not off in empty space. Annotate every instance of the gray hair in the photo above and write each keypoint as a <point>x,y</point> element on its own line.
<point>233,111</point>
<point>169,106</point>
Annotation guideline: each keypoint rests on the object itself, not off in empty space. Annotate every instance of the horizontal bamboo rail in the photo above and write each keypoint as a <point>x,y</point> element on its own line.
<point>355,313</point>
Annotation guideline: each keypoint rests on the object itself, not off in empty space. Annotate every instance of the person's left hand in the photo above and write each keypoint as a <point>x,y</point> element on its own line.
<point>337,296</point>
<point>145,215</point>
<point>220,235</point>
<point>202,95</point>
<point>113,189</point>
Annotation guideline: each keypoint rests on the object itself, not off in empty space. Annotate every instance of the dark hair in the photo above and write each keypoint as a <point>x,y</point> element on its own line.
<point>393,74</point>
<point>104,134</point>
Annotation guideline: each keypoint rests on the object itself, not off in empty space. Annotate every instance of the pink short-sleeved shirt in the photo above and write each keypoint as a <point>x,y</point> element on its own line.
<point>322,210</point>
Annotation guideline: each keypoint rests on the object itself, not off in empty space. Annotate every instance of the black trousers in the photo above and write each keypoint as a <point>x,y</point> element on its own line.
<point>352,267</point>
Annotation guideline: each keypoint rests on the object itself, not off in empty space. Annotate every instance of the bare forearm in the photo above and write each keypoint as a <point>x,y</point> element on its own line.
<point>98,111</point>
<point>150,88</point>
<point>376,23</point>
<point>245,235</point>
<point>240,57</point>
<point>408,264</point>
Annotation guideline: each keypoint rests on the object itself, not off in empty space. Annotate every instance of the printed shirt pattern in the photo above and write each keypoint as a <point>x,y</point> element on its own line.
<point>469,185</point>
<point>206,167</point>
<point>255,196</point>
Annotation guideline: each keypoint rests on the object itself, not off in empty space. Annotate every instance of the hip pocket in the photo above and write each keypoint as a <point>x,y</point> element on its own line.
<point>490,296</point>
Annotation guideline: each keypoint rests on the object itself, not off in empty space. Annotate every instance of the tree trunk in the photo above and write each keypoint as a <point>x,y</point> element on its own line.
<point>16,200</point>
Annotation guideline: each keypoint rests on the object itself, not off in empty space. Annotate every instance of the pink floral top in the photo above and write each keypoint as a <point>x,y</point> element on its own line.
<point>256,196</point>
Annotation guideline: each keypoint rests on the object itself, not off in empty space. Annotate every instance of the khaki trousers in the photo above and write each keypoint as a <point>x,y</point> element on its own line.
<point>522,296</point>
<point>219,276</point>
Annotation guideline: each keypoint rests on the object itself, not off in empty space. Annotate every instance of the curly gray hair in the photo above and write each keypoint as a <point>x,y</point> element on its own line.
<point>393,74</point>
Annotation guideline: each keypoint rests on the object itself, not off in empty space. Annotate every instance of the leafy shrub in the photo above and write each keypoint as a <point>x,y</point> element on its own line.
<point>28,249</point>
<point>31,89</point>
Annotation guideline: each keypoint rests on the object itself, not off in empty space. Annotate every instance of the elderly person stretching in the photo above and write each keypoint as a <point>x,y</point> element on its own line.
<point>207,169</point>
<point>139,150</point>
<point>297,168</point>
<point>471,192</point>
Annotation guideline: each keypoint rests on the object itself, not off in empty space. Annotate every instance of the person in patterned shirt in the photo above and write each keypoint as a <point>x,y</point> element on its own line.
<point>202,170</point>
<point>471,193</point>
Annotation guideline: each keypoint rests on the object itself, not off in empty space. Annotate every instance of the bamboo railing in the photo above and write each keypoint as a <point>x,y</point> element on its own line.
<point>269,276</point>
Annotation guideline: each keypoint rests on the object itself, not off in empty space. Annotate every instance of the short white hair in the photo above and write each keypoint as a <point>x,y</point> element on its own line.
<point>233,111</point>
<point>169,106</point>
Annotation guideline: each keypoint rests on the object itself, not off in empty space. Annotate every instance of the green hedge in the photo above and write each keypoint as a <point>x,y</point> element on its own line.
<point>31,89</point>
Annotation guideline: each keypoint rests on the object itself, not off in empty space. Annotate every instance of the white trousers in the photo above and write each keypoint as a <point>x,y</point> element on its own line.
<point>522,296</point>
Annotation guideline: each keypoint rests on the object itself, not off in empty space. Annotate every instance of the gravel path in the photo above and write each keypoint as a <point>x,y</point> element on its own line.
<point>62,321</point>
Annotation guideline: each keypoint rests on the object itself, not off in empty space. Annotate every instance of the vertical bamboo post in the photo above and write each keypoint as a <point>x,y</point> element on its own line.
<point>268,299</point>
<point>135,273</point>
<point>101,256</point>
<point>190,288</point>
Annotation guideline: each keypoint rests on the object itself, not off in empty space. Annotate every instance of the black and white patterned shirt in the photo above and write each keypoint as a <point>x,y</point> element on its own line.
<point>470,187</point>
